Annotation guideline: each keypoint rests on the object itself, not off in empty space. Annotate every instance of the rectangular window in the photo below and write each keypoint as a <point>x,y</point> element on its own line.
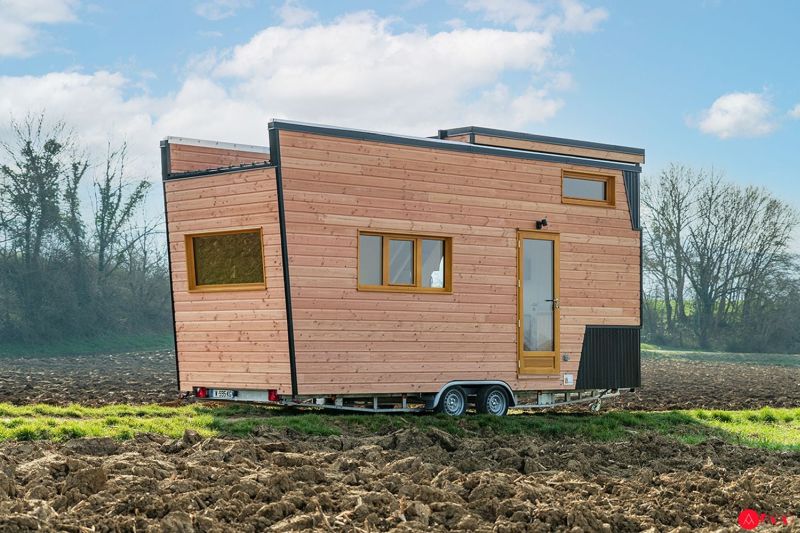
<point>404,263</point>
<point>225,260</point>
<point>587,189</point>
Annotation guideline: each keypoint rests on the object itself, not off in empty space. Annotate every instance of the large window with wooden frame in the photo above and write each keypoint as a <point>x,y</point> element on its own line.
<point>587,189</point>
<point>225,260</point>
<point>404,263</point>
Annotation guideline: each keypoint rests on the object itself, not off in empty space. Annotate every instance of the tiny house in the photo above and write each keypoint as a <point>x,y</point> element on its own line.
<point>353,269</point>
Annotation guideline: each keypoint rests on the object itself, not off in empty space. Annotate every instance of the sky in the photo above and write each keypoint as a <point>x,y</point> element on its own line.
<point>706,83</point>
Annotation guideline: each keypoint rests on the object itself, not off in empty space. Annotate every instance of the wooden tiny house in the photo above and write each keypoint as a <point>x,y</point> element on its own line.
<point>343,265</point>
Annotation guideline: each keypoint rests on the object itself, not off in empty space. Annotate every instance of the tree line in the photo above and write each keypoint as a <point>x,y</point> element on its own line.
<point>719,269</point>
<point>716,256</point>
<point>69,270</point>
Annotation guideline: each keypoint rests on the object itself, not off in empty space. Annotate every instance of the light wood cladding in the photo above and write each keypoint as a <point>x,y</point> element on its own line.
<point>229,339</point>
<point>187,158</point>
<point>551,148</point>
<point>350,342</point>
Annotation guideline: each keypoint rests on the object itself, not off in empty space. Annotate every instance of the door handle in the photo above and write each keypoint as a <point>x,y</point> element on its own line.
<point>556,303</point>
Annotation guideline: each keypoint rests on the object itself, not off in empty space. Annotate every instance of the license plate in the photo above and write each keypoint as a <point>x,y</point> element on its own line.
<point>222,394</point>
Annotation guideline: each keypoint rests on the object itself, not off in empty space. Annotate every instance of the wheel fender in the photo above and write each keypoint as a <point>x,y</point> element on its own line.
<point>512,399</point>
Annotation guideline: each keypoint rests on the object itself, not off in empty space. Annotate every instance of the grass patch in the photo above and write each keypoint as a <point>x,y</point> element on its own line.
<point>771,359</point>
<point>107,344</point>
<point>765,428</point>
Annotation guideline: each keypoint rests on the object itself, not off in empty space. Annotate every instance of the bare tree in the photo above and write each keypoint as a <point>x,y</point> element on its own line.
<point>669,214</point>
<point>114,209</point>
<point>725,242</point>
<point>31,184</point>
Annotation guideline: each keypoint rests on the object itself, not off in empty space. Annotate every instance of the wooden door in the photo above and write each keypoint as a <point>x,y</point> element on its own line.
<point>538,302</point>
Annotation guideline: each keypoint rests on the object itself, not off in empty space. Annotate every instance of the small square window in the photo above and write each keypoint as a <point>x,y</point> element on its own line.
<point>229,260</point>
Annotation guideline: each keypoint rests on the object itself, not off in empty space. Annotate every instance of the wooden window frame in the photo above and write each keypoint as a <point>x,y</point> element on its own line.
<point>192,273</point>
<point>417,240</point>
<point>609,179</point>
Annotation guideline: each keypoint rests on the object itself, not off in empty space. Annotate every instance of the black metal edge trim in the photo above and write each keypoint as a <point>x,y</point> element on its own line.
<point>275,154</point>
<point>455,146</point>
<point>219,170</point>
<point>541,138</point>
<point>165,166</point>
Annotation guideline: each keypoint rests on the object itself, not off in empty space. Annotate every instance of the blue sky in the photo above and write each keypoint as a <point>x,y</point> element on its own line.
<point>705,83</point>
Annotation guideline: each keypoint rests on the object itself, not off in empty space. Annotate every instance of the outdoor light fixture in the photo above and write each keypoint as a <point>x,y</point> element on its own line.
<point>541,223</point>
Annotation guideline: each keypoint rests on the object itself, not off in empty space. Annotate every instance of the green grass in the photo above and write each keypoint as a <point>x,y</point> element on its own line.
<point>96,345</point>
<point>656,353</point>
<point>777,429</point>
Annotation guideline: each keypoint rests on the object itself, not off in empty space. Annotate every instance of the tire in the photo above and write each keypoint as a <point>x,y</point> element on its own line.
<point>453,402</point>
<point>492,400</point>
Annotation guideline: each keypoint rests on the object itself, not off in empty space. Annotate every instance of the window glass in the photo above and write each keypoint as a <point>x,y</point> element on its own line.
<point>228,259</point>
<point>586,189</point>
<point>401,262</point>
<point>370,261</point>
<point>433,263</point>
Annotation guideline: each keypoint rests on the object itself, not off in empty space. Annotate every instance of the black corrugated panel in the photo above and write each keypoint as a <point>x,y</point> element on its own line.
<point>611,358</point>
<point>632,192</point>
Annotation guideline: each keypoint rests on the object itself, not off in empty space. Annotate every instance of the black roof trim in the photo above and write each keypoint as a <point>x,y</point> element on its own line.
<point>455,146</point>
<point>541,138</point>
<point>219,170</point>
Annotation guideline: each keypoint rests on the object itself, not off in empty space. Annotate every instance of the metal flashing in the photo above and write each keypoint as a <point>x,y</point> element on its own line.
<point>274,142</point>
<point>456,146</point>
<point>165,166</point>
<point>632,185</point>
<point>541,138</point>
<point>218,144</point>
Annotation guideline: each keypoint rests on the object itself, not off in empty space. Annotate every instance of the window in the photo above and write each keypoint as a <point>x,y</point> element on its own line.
<point>225,260</point>
<point>587,189</point>
<point>404,263</point>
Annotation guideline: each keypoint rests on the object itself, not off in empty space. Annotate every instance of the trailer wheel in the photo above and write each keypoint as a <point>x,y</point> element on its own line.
<point>492,400</point>
<point>453,402</point>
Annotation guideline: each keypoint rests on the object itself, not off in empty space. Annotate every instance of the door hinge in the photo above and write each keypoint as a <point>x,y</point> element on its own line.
<point>519,323</point>
<point>519,284</point>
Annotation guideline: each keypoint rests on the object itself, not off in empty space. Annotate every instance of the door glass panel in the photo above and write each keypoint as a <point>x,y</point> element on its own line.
<point>401,262</point>
<point>537,289</point>
<point>370,262</point>
<point>433,263</point>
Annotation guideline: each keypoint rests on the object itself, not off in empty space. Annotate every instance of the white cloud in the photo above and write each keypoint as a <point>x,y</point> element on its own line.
<point>220,9</point>
<point>293,14</point>
<point>738,115</point>
<point>20,21</point>
<point>355,71</point>
<point>94,105</point>
<point>565,15</point>
<point>579,19</point>
<point>795,112</point>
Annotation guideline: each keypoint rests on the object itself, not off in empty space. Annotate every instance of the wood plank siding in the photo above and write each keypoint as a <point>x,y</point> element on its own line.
<point>350,341</point>
<point>227,339</point>
<point>549,147</point>
<point>187,157</point>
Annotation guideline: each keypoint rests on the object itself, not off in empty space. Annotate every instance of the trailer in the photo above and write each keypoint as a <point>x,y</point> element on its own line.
<point>356,270</point>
